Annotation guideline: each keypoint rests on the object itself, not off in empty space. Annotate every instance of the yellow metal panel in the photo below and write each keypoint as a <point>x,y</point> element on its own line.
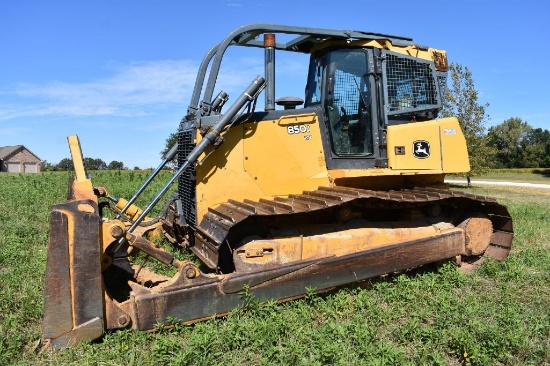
<point>430,54</point>
<point>448,152</point>
<point>454,150</point>
<point>82,186</point>
<point>78,161</point>
<point>262,160</point>
<point>285,156</point>
<point>222,176</point>
<point>410,137</point>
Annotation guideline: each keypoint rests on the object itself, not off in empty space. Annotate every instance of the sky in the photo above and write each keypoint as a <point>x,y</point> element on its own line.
<point>120,74</point>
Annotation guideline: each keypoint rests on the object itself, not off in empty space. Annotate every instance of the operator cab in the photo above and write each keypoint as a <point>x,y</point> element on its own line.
<point>363,90</point>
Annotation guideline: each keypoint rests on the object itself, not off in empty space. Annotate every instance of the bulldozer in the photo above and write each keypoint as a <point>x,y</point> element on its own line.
<point>341,184</point>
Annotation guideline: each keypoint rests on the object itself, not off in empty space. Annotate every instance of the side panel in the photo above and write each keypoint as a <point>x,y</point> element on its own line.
<point>454,150</point>
<point>222,176</point>
<point>285,156</point>
<point>437,145</point>
<point>262,159</point>
<point>414,146</point>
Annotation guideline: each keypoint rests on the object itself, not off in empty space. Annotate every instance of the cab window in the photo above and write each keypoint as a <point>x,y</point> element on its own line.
<point>347,103</point>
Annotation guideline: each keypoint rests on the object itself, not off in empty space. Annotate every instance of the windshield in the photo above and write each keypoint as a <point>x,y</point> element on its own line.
<point>348,102</point>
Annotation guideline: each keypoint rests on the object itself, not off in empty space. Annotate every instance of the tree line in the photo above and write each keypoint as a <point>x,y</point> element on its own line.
<point>89,164</point>
<point>518,145</point>
<point>514,143</point>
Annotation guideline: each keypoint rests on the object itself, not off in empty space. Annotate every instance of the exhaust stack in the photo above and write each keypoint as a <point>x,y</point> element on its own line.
<point>269,44</point>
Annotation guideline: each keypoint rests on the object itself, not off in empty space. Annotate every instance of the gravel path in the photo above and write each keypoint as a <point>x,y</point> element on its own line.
<point>495,183</point>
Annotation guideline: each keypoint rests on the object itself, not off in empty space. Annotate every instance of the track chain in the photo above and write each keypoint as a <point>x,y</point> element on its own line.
<point>220,221</point>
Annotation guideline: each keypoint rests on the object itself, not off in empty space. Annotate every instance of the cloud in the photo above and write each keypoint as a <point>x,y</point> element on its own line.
<point>234,3</point>
<point>239,3</point>
<point>133,90</point>
<point>11,131</point>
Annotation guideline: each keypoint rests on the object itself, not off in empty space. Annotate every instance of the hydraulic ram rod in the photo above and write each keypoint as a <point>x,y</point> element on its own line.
<point>169,156</point>
<point>210,138</point>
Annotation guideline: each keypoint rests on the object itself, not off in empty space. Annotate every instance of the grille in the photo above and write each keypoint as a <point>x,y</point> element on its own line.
<point>345,91</point>
<point>411,84</point>
<point>186,182</point>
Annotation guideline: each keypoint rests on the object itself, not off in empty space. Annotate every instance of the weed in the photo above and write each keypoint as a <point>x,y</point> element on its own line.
<point>436,316</point>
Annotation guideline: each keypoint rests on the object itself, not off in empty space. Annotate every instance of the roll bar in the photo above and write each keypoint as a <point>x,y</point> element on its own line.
<point>305,40</point>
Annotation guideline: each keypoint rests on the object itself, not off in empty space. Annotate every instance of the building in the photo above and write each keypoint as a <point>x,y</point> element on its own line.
<point>18,159</point>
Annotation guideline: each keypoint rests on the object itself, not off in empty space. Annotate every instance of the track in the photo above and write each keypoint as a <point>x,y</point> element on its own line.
<point>197,296</point>
<point>233,221</point>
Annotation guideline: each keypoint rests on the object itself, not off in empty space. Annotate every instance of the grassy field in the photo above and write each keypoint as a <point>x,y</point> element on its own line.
<point>436,315</point>
<point>517,175</point>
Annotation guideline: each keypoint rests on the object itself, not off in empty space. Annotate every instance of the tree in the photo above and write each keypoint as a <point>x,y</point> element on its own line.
<point>65,164</point>
<point>508,138</point>
<point>116,165</point>
<point>536,145</point>
<point>94,164</point>
<point>519,145</point>
<point>46,166</point>
<point>461,101</point>
<point>170,141</point>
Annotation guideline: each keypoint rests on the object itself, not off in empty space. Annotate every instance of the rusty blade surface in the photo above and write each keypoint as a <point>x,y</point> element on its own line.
<point>73,293</point>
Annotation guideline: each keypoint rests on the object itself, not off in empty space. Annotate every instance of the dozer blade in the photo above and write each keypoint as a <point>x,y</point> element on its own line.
<point>73,294</point>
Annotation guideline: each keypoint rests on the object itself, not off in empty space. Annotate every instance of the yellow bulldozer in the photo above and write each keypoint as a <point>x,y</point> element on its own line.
<point>344,184</point>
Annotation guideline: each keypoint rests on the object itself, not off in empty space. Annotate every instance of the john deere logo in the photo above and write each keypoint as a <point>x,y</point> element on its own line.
<point>421,149</point>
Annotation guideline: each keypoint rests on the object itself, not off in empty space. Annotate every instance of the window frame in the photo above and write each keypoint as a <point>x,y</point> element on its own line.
<point>334,161</point>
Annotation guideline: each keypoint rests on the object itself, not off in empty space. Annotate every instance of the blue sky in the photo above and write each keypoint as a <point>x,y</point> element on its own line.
<point>120,73</point>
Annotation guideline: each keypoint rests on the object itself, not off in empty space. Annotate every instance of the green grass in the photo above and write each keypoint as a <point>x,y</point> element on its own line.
<point>435,315</point>
<point>516,175</point>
